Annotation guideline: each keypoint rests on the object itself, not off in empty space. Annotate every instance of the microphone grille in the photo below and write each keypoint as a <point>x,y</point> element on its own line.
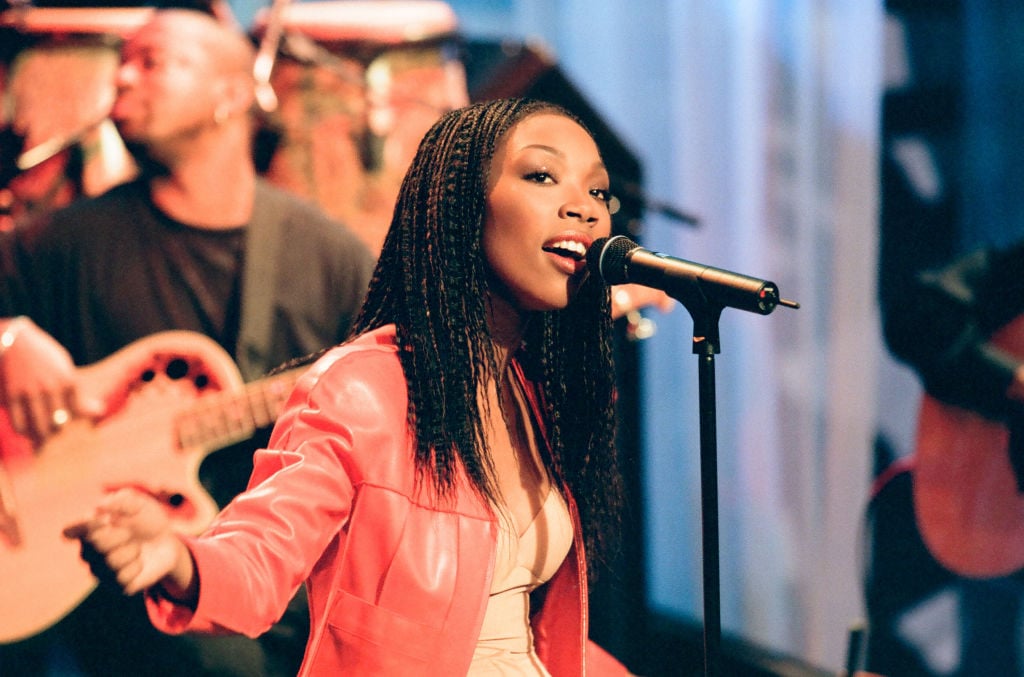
<point>609,256</point>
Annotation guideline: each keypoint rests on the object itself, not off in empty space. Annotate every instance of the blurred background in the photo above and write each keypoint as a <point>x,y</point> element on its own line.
<point>831,146</point>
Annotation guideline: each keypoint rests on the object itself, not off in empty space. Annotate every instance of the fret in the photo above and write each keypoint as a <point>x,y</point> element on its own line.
<point>261,411</point>
<point>223,418</point>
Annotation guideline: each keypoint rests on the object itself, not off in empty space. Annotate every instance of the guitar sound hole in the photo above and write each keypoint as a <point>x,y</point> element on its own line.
<point>177,368</point>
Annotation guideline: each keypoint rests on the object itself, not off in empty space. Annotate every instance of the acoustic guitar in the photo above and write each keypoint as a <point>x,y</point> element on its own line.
<point>178,397</point>
<point>967,500</point>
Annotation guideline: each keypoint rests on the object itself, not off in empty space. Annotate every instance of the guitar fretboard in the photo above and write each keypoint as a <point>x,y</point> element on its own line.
<point>220,419</point>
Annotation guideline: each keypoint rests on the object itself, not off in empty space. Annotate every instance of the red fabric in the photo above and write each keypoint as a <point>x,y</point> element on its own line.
<point>398,580</point>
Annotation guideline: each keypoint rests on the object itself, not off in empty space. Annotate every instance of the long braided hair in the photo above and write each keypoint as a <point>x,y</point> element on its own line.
<point>431,281</point>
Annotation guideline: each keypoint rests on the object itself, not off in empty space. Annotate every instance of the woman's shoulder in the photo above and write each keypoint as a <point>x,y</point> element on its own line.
<point>380,340</point>
<point>367,363</point>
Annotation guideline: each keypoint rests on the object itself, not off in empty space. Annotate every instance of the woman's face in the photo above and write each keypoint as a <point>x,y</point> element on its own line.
<point>547,201</point>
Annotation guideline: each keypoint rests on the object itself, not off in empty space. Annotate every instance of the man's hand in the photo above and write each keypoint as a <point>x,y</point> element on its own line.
<point>37,380</point>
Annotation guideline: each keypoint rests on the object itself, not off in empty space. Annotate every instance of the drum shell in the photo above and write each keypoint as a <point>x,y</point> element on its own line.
<point>353,105</point>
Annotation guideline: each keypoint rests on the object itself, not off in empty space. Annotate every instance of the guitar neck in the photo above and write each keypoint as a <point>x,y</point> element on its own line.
<point>223,418</point>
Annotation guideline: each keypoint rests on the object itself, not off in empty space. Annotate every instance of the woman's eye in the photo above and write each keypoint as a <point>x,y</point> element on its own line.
<point>540,177</point>
<point>607,198</point>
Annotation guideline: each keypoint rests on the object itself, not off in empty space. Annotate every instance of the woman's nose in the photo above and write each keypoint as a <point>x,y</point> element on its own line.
<point>580,209</point>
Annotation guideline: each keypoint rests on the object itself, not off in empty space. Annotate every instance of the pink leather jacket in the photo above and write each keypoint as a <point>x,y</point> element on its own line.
<point>398,580</point>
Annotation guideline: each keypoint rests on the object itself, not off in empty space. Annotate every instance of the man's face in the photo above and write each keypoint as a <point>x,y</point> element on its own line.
<point>167,86</point>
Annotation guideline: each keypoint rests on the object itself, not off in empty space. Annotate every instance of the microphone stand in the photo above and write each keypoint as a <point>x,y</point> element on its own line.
<point>706,345</point>
<point>696,287</point>
<point>706,314</point>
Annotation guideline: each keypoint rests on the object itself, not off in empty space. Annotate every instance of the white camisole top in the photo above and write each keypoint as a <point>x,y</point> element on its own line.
<point>524,560</point>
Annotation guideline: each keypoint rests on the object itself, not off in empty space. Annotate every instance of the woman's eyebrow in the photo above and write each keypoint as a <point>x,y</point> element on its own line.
<point>598,164</point>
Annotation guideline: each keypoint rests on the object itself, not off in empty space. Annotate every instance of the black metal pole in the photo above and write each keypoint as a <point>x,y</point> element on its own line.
<point>705,346</point>
<point>705,292</point>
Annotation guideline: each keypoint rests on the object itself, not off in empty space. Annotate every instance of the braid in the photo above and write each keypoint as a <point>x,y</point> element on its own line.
<point>570,358</point>
<point>431,282</point>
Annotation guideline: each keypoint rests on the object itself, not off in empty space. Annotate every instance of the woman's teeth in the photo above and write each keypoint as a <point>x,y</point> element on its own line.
<point>570,248</point>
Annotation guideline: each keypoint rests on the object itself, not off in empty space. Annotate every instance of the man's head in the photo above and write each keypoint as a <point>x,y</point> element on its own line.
<point>183,75</point>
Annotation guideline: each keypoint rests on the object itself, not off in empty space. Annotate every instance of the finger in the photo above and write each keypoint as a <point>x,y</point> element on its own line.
<point>129,578</point>
<point>67,400</point>
<point>106,538</point>
<point>78,530</point>
<point>87,405</point>
<point>94,398</point>
<point>97,562</point>
<point>83,527</point>
<point>111,557</point>
<point>157,559</point>
<point>136,510</point>
<point>38,423</point>
<point>70,399</point>
<point>123,555</point>
<point>137,584</point>
<point>8,400</point>
<point>123,504</point>
<point>19,414</point>
<point>59,407</point>
<point>109,563</point>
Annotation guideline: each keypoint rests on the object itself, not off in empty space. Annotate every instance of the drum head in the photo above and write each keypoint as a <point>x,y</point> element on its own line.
<point>368,21</point>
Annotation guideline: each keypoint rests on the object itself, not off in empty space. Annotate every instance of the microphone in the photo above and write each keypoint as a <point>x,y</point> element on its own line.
<point>619,260</point>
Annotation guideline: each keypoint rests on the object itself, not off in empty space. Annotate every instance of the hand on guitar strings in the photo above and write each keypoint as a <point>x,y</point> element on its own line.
<point>37,382</point>
<point>129,541</point>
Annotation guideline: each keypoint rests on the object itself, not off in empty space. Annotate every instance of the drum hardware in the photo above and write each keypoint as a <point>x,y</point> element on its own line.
<point>58,87</point>
<point>49,148</point>
<point>370,71</point>
<point>357,83</point>
<point>266,55</point>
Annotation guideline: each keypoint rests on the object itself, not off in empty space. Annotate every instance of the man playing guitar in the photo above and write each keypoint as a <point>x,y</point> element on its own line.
<point>199,243</point>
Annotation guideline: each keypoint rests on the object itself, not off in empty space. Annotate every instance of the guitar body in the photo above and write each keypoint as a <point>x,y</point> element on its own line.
<point>150,385</point>
<point>969,509</point>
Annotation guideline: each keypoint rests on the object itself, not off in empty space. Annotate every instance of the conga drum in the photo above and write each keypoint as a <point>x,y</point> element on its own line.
<point>357,84</point>
<point>60,66</point>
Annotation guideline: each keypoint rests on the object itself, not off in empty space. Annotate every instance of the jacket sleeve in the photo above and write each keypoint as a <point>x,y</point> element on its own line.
<point>263,545</point>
